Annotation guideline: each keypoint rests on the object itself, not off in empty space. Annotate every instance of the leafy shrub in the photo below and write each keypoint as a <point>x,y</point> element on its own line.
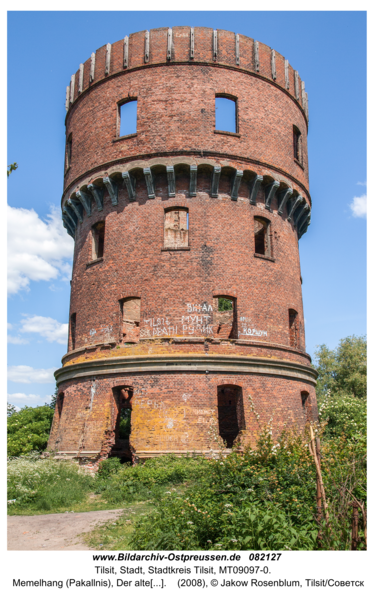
<point>46,484</point>
<point>28,430</point>
<point>264,499</point>
<point>108,468</point>
<point>345,415</point>
<point>144,481</point>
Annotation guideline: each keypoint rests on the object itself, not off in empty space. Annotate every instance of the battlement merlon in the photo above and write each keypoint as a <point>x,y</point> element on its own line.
<point>188,45</point>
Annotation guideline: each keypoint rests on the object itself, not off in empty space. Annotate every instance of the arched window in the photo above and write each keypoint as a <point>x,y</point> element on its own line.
<point>294,329</point>
<point>98,235</point>
<point>226,114</point>
<point>176,228</point>
<point>297,144</point>
<point>262,237</point>
<point>130,312</point>
<point>127,116</point>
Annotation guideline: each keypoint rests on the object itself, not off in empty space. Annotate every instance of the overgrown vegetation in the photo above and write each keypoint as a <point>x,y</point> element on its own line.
<point>264,498</point>
<point>28,429</point>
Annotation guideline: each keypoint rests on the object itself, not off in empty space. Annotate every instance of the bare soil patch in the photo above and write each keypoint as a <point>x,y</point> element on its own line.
<point>60,531</point>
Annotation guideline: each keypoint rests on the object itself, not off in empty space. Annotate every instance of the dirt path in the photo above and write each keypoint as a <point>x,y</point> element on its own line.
<point>56,531</point>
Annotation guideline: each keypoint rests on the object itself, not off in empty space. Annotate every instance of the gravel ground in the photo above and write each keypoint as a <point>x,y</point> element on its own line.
<point>55,531</point>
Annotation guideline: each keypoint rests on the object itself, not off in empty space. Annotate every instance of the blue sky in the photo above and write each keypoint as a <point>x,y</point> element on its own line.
<point>45,49</point>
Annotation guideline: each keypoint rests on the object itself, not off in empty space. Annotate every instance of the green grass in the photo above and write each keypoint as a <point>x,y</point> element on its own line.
<point>264,498</point>
<point>116,534</point>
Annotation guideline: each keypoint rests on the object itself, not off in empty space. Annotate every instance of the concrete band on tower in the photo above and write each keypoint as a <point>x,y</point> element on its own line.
<point>186,305</point>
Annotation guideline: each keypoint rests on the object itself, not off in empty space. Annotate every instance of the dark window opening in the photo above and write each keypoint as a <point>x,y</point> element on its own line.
<point>226,114</point>
<point>297,144</point>
<point>98,235</point>
<point>128,118</point>
<point>304,399</point>
<point>122,430</point>
<point>60,403</point>
<point>294,329</point>
<point>230,413</point>
<point>262,237</point>
<point>306,404</point>
<point>130,311</point>
<point>68,150</point>
<point>224,317</point>
<point>176,228</point>
<point>73,323</point>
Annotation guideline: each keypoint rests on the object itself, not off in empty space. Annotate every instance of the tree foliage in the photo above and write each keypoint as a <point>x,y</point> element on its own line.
<point>11,168</point>
<point>343,370</point>
<point>28,430</point>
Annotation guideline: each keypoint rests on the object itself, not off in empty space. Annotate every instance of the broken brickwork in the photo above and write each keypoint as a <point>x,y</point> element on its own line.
<point>169,220</point>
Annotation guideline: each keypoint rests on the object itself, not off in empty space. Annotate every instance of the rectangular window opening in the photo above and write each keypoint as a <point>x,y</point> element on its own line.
<point>128,118</point>
<point>294,328</point>
<point>262,237</point>
<point>130,310</point>
<point>176,228</point>
<point>296,144</point>
<point>224,317</point>
<point>98,236</point>
<point>226,115</point>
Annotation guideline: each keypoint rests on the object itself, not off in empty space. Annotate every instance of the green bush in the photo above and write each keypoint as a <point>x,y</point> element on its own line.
<point>147,480</point>
<point>345,415</point>
<point>28,430</point>
<point>46,484</point>
<point>264,499</point>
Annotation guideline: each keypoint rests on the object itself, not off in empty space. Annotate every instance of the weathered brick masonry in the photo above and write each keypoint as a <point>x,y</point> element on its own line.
<point>169,220</point>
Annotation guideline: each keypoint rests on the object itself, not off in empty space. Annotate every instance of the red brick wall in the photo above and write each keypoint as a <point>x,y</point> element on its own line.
<point>220,261</point>
<point>176,113</point>
<point>176,287</point>
<point>183,420</point>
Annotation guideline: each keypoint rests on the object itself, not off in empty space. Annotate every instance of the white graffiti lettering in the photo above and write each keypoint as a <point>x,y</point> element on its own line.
<point>204,307</point>
<point>191,329</point>
<point>253,332</point>
<point>157,322</point>
<point>165,331</point>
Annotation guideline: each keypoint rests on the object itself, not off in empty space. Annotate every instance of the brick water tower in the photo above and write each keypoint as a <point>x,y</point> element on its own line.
<point>186,304</point>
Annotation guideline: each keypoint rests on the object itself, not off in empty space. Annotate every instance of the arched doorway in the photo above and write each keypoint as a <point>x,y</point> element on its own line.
<point>230,412</point>
<point>123,402</point>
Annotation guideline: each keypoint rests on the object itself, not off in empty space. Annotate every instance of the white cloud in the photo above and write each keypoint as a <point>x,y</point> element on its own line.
<point>12,339</point>
<point>19,400</point>
<point>9,326</point>
<point>25,374</point>
<point>361,183</point>
<point>359,206</point>
<point>37,250</point>
<point>47,327</point>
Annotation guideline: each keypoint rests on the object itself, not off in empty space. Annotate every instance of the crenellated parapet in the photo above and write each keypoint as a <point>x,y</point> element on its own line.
<point>187,45</point>
<point>278,195</point>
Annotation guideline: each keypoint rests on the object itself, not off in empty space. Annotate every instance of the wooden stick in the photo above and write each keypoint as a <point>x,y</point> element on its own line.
<point>319,474</point>
<point>354,526</point>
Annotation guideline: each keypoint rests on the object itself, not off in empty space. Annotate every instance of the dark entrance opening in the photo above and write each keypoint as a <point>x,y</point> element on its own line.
<point>123,402</point>
<point>230,412</point>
